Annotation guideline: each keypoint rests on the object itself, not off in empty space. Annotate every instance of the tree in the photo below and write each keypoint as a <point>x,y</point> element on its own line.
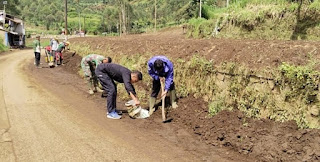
<point>123,16</point>
<point>11,7</point>
<point>200,8</point>
<point>78,6</point>
<point>155,15</point>
<point>125,12</point>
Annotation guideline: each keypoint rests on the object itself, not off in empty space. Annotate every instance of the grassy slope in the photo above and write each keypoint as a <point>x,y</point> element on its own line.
<point>2,47</point>
<point>260,19</point>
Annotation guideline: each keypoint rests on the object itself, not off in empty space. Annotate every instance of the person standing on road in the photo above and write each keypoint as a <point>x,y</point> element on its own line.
<point>88,65</point>
<point>107,74</point>
<point>54,46</point>
<point>160,68</point>
<point>37,51</point>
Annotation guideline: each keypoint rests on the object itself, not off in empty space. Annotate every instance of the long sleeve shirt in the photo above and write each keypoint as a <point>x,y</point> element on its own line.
<point>36,45</point>
<point>54,44</point>
<point>61,47</point>
<point>167,70</point>
<point>94,58</point>
<point>118,73</point>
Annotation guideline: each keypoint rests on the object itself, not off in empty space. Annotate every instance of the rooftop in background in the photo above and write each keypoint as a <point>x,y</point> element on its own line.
<point>11,24</point>
<point>10,17</point>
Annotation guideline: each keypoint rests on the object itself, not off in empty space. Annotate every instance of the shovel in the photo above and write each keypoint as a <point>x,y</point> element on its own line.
<point>164,118</point>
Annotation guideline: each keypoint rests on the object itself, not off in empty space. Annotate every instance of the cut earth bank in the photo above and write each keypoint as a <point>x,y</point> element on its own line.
<point>245,76</point>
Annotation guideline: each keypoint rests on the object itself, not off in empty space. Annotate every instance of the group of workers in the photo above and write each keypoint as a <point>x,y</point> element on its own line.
<point>98,68</point>
<point>53,51</point>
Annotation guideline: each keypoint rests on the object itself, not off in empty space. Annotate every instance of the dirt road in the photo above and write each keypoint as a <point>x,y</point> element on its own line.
<point>46,119</point>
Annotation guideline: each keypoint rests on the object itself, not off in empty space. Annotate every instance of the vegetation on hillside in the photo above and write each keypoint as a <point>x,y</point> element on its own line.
<point>111,16</point>
<point>2,46</point>
<point>11,7</point>
<point>263,19</point>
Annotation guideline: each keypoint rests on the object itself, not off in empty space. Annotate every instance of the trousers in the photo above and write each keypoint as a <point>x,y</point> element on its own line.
<point>110,87</point>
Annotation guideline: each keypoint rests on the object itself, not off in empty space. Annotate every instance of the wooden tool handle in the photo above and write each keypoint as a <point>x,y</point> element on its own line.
<point>163,102</point>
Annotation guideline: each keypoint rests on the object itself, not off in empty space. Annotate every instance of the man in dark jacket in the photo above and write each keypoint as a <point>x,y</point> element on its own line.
<point>161,68</point>
<point>107,74</point>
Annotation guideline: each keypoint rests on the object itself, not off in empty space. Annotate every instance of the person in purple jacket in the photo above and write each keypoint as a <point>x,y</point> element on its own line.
<point>161,68</point>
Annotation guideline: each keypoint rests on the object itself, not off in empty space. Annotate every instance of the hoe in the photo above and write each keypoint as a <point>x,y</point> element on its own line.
<point>164,118</point>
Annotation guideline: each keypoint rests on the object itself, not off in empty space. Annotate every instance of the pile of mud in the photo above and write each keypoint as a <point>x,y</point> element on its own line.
<point>263,139</point>
<point>72,61</point>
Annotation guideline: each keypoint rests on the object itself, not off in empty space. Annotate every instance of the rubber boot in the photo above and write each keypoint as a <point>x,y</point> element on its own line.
<point>98,89</point>
<point>96,85</point>
<point>90,85</point>
<point>51,59</point>
<point>152,102</point>
<point>91,91</point>
<point>173,98</point>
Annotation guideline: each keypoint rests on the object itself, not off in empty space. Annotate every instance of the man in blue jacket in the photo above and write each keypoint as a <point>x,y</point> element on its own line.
<point>107,74</point>
<point>161,68</point>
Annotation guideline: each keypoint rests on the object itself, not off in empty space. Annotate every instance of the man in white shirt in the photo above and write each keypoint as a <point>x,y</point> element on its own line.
<point>54,46</point>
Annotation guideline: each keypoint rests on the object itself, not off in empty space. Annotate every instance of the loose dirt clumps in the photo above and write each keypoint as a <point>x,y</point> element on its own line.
<point>72,62</point>
<point>263,139</point>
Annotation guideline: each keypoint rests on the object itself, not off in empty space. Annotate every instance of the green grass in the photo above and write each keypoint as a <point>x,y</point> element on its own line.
<point>210,12</point>
<point>264,19</point>
<point>91,25</point>
<point>44,42</point>
<point>315,5</point>
<point>200,28</point>
<point>3,48</point>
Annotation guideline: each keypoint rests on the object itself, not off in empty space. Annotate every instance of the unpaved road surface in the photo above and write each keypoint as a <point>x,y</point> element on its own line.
<point>44,118</point>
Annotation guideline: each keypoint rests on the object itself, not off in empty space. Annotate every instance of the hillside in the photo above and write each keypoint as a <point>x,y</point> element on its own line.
<point>129,16</point>
<point>264,19</point>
